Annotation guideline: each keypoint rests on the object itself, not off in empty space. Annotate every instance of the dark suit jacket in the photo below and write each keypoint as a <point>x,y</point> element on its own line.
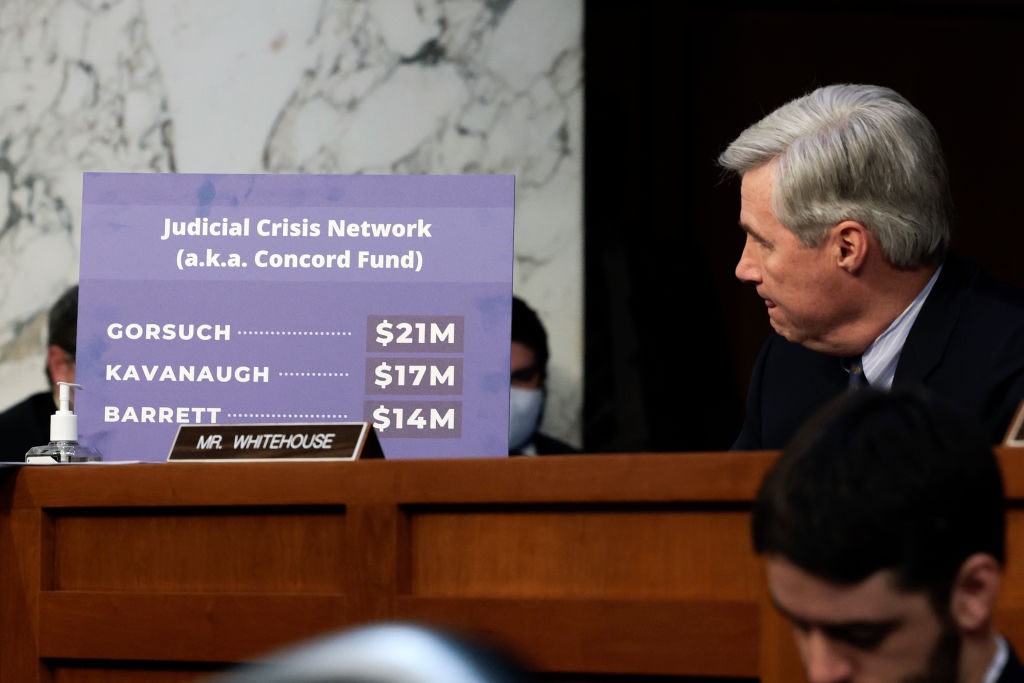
<point>966,346</point>
<point>25,425</point>
<point>1013,672</point>
<point>548,445</point>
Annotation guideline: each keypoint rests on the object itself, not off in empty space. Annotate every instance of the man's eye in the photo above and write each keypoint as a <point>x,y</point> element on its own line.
<point>862,637</point>
<point>525,374</point>
<point>801,626</point>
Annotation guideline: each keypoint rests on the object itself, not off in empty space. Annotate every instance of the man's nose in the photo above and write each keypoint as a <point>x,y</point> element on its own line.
<point>748,269</point>
<point>825,662</point>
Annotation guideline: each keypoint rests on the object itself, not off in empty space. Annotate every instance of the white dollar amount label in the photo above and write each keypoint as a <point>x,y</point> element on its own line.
<point>433,376</point>
<point>416,419</point>
<point>415,333</point>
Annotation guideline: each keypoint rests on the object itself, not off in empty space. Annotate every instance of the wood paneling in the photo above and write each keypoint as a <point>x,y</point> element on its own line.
<point>621,567</point>
<point>229,549</point>
<point>586,551</point>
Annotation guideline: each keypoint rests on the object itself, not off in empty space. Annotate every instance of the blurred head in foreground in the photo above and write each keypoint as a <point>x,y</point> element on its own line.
<point>386,653</point>
<point>882,527</point>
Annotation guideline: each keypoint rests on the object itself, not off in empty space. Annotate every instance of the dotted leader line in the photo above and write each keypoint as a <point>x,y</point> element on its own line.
<point>293,333</point>
<point>290,416</point>
<point>313,374</point>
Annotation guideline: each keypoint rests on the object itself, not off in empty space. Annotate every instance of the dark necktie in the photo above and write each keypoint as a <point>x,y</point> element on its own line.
<point>856,379</point>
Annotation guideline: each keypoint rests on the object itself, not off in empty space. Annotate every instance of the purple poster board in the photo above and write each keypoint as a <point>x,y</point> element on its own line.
<point>238,299</point>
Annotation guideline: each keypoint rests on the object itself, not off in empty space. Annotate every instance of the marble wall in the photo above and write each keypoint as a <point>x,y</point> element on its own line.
<point>290,86</point>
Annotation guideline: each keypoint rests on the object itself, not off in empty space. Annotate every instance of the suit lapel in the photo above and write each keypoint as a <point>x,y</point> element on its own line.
<point>928,338</point>
<point>1012,670</point>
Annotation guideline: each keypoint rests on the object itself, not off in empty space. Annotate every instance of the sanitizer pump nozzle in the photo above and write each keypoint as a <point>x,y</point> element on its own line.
<point>63,446</point>
<point>64,423</point>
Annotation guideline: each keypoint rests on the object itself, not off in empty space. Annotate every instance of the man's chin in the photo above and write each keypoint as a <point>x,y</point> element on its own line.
<point>786,332</point>
<point>797,337</point>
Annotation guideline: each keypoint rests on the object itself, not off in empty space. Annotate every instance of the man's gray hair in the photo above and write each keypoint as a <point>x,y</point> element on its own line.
<point>854,152</point>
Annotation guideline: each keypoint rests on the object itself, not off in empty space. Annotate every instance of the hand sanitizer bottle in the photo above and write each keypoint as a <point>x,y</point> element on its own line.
<point>63,446</point>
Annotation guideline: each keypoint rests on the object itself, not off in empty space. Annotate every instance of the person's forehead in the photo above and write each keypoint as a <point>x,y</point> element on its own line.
<point>800,594</point>
<point>757,183</point>
<point>522,355</point>
<point>756,214</point>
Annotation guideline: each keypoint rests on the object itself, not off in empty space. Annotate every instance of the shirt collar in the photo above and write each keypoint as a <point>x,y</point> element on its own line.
<point>882,355</point>
<point>998,663</point>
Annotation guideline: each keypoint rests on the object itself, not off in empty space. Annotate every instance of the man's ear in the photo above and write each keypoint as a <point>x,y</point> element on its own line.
<point>851,242</point>
<point>973,599</point>
<point>61,364</point>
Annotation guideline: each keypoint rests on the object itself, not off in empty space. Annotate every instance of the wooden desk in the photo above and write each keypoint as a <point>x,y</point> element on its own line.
<point>631,565</point>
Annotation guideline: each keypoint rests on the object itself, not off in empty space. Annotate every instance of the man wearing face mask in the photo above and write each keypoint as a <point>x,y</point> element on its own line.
<point>527,394</point>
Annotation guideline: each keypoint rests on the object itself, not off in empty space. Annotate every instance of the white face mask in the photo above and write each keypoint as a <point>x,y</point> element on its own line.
<point>525,408</point>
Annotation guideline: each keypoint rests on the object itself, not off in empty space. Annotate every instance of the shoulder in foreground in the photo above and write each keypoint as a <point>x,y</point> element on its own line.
<point>29,408</point>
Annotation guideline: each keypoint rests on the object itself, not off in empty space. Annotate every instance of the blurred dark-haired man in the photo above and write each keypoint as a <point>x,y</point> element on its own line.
<point>882,526</point>
<point>27,424</point>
